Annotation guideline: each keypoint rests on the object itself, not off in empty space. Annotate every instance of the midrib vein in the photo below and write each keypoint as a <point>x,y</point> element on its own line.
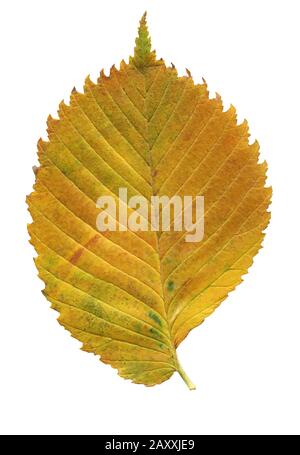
<point>174,357</point>
<point>162,293</point>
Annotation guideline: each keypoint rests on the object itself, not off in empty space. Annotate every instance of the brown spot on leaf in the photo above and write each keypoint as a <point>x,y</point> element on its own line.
<point>76,255</point>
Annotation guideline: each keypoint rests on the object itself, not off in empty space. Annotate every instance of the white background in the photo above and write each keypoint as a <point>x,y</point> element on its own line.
<point>245,359</point>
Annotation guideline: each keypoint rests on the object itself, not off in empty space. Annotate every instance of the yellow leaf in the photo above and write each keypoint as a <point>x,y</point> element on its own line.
<point>131,297</point>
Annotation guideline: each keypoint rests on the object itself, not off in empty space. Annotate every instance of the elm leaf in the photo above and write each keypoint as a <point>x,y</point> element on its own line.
<point>131,297</point>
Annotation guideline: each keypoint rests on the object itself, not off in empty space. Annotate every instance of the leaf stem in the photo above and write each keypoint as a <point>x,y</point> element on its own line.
<point>184,376</point>
<point>186,379</point>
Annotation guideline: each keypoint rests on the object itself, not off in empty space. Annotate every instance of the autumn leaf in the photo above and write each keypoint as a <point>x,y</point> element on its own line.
<point>131,297</point>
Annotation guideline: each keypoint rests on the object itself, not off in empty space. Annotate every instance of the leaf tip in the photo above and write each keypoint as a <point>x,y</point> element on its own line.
<point>143,56</point>
<point>144,18</point>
